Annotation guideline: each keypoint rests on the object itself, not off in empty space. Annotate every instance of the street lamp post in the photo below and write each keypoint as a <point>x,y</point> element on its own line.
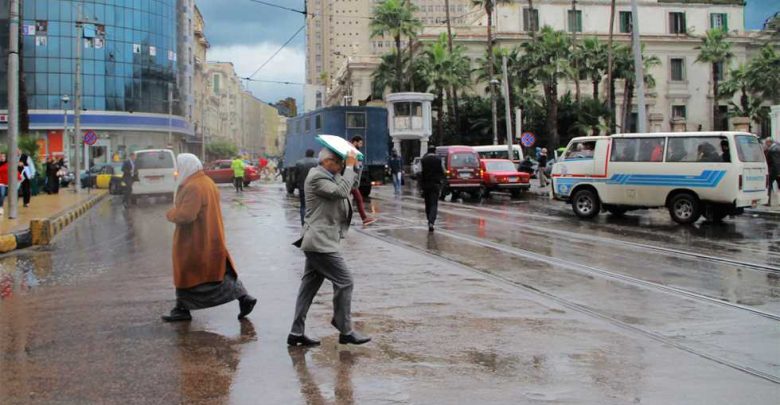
<point>65,99</point>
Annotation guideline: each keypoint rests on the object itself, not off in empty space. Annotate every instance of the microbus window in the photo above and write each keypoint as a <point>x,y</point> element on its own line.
<point>638,149</point>
<point>580,150</point>
<point>698,149</point>
<point>749,149</point>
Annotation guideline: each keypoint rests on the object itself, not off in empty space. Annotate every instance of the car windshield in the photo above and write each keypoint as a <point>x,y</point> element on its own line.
<point>464,160</point>
<point>748,149</point>
<point>154,160</point>
<point>505,166</point>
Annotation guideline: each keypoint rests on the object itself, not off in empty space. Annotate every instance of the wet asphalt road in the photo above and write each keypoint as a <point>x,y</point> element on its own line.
<point>509,301</point>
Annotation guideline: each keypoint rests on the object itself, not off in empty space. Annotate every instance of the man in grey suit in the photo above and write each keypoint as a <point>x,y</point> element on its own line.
<point>328,214</point>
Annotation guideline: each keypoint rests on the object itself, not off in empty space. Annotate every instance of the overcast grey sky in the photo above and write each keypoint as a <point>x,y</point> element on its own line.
<point>247,34</point>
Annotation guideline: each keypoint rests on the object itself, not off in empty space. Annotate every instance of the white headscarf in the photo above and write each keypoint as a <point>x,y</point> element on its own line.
<point>188,164</point>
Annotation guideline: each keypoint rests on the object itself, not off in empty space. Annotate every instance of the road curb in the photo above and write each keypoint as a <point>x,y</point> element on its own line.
<point>43,230</point>
<point>763,213</point>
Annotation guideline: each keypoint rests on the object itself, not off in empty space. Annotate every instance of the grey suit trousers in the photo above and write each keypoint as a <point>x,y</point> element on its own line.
<point>321,266</point>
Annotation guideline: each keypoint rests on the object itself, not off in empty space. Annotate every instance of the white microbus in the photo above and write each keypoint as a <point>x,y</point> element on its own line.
<point>157,173</point>
<point>691,173</point>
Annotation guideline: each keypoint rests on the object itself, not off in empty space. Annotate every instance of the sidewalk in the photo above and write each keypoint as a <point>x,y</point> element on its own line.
<point>45,217</point>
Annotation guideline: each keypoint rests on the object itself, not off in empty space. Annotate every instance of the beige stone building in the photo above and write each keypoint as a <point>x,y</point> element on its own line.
<point>231,113</point>
<point>338,33</point>
<point>200,48</point>
<point>671,30</point>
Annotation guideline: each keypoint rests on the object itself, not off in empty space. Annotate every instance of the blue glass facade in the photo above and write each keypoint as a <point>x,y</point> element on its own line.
<point>129,57</point>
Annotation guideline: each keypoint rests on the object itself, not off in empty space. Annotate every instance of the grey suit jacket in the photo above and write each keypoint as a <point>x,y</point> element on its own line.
<point>328,211</point>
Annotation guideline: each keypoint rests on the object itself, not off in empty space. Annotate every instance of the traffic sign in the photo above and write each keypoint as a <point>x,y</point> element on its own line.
<point>90,137</point>
<point>528,139</point>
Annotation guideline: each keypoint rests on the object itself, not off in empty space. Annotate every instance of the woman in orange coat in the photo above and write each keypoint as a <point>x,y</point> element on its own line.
<point>203,271</point>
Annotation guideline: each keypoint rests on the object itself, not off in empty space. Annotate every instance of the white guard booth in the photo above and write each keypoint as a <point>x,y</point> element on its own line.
<point>409,118</point>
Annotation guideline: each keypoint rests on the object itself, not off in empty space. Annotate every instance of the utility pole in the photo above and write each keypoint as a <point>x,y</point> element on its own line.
<point>13,106</point>
<point>77,139</point>
<point>638,69</point>
<point>507,110</point>
<point>170,114</point>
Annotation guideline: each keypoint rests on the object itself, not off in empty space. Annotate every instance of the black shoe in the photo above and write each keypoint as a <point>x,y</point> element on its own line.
<point>302,340</point>
<point>177,315</point>
<point>246,304</point>
<point>430,227</point>
<point>354,338</point>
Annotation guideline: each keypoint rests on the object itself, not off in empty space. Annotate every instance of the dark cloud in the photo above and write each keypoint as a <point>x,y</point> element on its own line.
<point>243,22</point>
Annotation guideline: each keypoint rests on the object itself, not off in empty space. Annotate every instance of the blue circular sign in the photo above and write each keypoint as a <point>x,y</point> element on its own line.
<point>90,137</point>
<point>528,139</point>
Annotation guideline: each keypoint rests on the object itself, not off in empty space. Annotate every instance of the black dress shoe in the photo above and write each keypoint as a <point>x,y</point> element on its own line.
<point>177,315</point>
<point>353,338</point>
<point>246,304</point>
<point>302,340</point>
<point>430,227</point>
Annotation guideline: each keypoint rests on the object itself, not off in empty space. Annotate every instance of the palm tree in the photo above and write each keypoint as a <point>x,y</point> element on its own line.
<point>589,119</point>
<point>549,57</point>
<point>610,66</point>
<point>629,75</point>
<point>764,73</point>
<point>444,69</point>
<point>489,6</point>
<point>738,81</point>
<point>386,75</point>
<point>622,68</point>
<point>396,18</point>
<point>593,54</point>
<point>716,51</point>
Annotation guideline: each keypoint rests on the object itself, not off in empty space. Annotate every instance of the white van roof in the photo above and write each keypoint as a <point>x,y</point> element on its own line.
<point>660,134</point>
<point>493,147</point>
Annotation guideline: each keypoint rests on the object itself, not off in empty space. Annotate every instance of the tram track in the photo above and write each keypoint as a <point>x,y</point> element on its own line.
<point>572,305</point>
<point>595,271</point>
<point>453,209</point>
<point>703,350</point>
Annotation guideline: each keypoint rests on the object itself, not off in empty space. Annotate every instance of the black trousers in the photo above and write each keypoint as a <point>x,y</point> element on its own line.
<point>128,191</point>
<point>238,182</point>
<point>431,196</point>
<point>26,191</point>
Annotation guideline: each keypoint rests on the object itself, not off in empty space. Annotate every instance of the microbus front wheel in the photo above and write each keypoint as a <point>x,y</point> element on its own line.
<point>586,203</point>
<point>685,208</point>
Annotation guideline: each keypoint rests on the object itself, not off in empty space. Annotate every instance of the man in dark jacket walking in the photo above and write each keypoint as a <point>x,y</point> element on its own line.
<point>302,168</point>
<point>773,163</point>
<point>129,174</point>
<point>430,180</point>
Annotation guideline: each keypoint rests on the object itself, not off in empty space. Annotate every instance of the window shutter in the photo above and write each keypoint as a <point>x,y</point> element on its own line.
<point>725,22</point>
<point>683,27</point>
<point>712,20</point>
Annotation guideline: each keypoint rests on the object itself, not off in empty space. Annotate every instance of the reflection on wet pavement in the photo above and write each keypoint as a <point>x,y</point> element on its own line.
<point>89,331</point>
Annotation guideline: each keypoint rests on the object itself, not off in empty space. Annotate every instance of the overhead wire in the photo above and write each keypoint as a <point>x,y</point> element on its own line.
<point>306,13</point>
<point>277,51</point>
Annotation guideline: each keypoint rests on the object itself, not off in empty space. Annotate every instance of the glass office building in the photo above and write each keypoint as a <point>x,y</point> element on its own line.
<point>129,64</point>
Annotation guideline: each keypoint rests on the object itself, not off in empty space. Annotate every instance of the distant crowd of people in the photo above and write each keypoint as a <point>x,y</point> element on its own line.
<point>54,170</point>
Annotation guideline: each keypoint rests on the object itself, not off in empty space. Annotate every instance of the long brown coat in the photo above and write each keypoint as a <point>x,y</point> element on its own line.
<point>199,250</point>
